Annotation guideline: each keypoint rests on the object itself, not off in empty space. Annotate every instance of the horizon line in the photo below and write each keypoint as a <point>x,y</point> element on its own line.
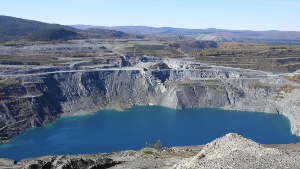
<point>225,29</point>
<point>190,28</point>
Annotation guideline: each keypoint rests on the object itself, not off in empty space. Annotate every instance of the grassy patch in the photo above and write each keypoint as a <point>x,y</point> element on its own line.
<point>151,50</point>
<point>9,82</point>
<point>148,151</point>
<point>252,56</point>
<point>259,85</point>
<point>295,78</point>
<point>79,55</point>
<point>150,47</point>
<point>187,82</point>
<point>181,154</point>
<point>287,88</point>
<point>29,60</point>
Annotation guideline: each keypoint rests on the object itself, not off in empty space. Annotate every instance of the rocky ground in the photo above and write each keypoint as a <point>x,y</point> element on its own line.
<point>234,151</point>
<point>229,152</point>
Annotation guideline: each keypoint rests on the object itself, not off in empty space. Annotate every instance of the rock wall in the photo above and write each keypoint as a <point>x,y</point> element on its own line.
<point>37,100</point>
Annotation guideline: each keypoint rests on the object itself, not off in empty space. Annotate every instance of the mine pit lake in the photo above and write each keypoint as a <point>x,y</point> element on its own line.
<point>110,131</point>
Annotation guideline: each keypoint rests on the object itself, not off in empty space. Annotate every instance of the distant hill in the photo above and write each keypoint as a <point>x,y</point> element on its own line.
<point>104,34</point>
<point>271,37</point>
<point>190,46</point>
<point>12,29</point>
<point>54,34</point>
<point>15,29</point>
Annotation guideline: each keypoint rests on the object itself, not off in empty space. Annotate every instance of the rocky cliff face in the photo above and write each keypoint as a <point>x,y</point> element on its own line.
<point>37,99</point>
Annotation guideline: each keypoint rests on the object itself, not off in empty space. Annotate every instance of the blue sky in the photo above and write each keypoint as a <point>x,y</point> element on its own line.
<point>228,14</point>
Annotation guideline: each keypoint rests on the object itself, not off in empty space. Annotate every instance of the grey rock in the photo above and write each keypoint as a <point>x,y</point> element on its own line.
<point>234,151</point>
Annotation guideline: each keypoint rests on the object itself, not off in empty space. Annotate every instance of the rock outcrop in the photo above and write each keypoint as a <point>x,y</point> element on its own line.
<point>61,162</point>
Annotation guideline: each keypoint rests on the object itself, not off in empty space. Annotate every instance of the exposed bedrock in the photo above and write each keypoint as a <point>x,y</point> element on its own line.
<point>36,100</point>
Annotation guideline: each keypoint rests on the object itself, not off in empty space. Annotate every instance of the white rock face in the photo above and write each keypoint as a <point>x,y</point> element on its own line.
<point>235,152</point>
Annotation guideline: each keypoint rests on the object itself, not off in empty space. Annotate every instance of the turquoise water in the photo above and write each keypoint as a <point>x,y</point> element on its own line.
<point>109,131</point>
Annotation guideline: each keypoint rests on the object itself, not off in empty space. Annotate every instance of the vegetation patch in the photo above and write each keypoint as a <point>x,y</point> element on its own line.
<point>148,151</point>
<point>9,82</point>
<point>259,85</point>
<point>30,60</point>
<point>182,154</point>
<point>212,80</point>
<point>284,58</point>
<point>295,78</point>
<point>193,46</point>
<point>150,47</point>
<point>188,82</point>
<point>157,150</point>
<point>151,50</point>
<point>80,55</point>
<point>54,34</point>
<point>287,88</point>
<point>12,28</point>
<point>157,145</point>
<point>16,29</point>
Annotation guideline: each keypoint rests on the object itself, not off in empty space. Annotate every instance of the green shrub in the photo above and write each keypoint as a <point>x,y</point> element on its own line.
<point>157,145</point>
